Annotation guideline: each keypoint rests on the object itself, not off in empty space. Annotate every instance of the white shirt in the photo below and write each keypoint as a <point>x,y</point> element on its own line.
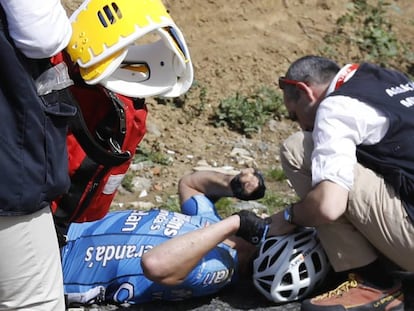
<point>341,124</point>
<point>39,28</point>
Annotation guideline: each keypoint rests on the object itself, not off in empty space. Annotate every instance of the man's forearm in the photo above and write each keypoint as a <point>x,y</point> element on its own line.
<point>317,208</point>
<point>170,262</point>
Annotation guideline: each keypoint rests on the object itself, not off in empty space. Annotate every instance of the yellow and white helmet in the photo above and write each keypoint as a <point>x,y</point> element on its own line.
<point>105,45</point>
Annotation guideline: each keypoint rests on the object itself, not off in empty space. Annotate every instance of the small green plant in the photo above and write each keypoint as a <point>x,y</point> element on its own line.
<point>193,102</point>
<point>247,114</point>
<point>127,181</point>
<point>199,92</point>
<point>364,33</point>
<point>225,207</point>
<point>275,174</point>
<point>153,154</point>
<point>172,204</point>
<point>275,202</point>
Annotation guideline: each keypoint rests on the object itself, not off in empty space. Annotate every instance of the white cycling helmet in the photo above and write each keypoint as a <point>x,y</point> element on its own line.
<point>105,45</point>
<point>290,267</point>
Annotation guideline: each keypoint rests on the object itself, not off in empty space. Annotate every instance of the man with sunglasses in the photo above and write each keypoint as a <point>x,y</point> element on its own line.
<point>352,167</point>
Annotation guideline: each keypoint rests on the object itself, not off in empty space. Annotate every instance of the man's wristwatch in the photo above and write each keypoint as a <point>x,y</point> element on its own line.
<point>288,214</point>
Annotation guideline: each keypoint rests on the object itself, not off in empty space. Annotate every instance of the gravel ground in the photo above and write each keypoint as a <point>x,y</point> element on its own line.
<point>241,297</point>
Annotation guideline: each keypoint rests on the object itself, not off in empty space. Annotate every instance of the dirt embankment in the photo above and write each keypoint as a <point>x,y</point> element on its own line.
<point>237,46</point>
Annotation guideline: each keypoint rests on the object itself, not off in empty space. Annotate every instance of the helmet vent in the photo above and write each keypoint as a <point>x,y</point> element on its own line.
<point>286,293</point>
<point>287,279</point>
<point>263,265</point>
<point>268,244</point>
<point>290,267</point>
<point>109,14</point>
<point>316,262</point>
<point>302,235</point>
<point>303,271</point>
<point>277,254</point>
<point>264,285</point>
<point>302,291</point>
<point>300,245</point>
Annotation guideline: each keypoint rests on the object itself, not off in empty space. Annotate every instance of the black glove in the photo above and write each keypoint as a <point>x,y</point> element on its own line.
<point>252,228</point>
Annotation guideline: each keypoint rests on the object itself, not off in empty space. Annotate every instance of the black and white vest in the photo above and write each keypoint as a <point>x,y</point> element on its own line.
<point>393,157</point>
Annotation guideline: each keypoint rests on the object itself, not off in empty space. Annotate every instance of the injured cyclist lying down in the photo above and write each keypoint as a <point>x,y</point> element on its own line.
<point>140,256</point>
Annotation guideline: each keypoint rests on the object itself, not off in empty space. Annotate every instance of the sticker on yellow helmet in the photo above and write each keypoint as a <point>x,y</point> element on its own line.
<point>108,45</point>
<point>101,28</point>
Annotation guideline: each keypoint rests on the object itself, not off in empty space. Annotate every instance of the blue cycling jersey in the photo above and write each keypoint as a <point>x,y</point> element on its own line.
<point>101,262</point>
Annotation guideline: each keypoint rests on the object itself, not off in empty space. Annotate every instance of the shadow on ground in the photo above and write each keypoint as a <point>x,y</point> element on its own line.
<point>242,296</point>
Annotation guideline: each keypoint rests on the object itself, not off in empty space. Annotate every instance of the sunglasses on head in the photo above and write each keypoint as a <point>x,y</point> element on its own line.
<point>283,81</point>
